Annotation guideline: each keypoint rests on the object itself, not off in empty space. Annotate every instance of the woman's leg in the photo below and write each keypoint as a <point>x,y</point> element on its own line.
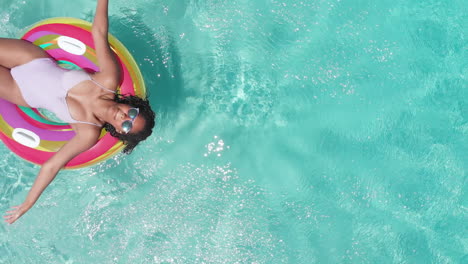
<point>14,52</point>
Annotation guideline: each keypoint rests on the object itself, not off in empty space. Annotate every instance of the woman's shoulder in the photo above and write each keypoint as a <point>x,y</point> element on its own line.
<point>106,81</point>
<point>87,132</point>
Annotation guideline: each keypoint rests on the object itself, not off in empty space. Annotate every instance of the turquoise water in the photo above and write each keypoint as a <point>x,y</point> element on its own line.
<point>287,132</point>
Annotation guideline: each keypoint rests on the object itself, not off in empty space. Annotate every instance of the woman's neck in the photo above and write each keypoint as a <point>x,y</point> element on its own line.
<point>103,109</point>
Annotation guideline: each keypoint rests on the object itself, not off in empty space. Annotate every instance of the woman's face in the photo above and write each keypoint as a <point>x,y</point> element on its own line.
<point>120,114</point>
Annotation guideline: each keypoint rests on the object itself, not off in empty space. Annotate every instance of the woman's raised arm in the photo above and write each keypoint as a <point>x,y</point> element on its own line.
<point>109,71</point>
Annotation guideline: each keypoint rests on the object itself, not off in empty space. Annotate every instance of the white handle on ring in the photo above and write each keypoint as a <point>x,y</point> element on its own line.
<point>71,45</point>
<point>26,137</point>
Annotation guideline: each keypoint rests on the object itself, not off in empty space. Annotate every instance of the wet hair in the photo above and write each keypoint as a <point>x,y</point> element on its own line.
<point>130,140</point>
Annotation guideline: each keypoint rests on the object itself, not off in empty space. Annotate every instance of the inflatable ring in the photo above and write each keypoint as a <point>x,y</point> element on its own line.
<point>33,135</point>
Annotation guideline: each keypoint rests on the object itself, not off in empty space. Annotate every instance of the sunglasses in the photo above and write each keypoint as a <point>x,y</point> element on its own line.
<point>128,124</point>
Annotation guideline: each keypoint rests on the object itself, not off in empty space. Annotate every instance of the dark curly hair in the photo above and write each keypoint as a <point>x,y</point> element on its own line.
<point>130,140</point>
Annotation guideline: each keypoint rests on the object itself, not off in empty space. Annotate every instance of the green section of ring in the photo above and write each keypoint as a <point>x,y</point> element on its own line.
<point>68,65</point>
<point>28,111</point>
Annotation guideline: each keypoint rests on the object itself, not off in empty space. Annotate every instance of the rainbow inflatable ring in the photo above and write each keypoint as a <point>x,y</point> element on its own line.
<point>34,136</point>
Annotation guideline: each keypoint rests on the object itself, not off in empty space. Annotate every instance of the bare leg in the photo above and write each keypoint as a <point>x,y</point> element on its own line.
<point>14,52</point>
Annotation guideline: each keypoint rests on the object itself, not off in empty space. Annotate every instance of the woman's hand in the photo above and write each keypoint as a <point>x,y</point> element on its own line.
<point>13,215</point>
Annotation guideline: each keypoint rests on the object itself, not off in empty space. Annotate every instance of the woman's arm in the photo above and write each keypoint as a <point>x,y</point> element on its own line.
<point>49,170</point>
<point>109,70</point>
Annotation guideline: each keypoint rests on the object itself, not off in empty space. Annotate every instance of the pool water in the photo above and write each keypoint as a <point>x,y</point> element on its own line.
<point>287,132</point>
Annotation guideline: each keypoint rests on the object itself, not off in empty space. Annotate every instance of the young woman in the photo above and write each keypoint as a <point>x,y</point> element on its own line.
<point>28,76</point>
